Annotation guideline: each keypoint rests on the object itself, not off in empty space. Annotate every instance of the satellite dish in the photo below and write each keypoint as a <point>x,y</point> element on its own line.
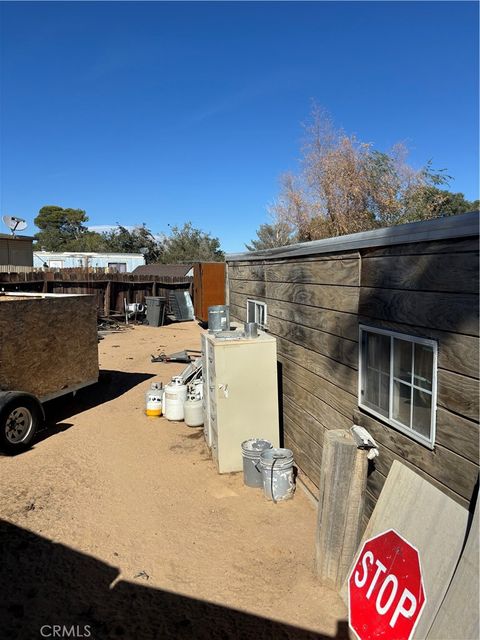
<point>14,224</point>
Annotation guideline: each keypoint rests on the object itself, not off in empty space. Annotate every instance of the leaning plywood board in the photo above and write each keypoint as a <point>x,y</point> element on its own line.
<point>48,343</point>
<point>458,615</point>
<point>430,521</point>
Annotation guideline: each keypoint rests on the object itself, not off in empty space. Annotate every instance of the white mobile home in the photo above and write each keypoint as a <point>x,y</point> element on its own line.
<point>121,262</point>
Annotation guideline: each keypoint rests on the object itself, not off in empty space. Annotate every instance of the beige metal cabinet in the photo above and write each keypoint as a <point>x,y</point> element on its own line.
<point>240,395</point>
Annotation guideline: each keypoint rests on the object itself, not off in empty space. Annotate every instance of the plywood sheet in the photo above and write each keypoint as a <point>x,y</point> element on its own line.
<point>458,614</point>
<point>429,520</point>
<point>47,342</point>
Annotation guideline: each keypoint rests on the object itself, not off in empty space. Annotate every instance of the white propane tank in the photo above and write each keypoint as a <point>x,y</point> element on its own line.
<point>193,409</point>
<point>196,388</point>
<point>153,399</point>
<point>175,396</point>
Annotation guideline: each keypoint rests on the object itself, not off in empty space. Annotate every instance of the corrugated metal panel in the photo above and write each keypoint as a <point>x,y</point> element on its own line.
<point>440,229</point>
<point>15,268</point>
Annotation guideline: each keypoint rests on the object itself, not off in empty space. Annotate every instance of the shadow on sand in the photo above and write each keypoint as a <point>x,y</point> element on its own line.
<point>111,385</point>
<point>45,583</point>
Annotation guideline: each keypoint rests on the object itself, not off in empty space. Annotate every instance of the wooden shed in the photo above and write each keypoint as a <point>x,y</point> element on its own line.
<point>16,251</point>
<point>378,329</point>
<point>208,287</point>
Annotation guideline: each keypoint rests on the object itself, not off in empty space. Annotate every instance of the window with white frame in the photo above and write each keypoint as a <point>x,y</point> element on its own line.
<point>257,312</point>
<point>121,267</point>
<point>398,381</point>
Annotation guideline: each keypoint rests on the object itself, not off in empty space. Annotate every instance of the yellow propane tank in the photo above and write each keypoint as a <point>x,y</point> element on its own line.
<point>153,399</point>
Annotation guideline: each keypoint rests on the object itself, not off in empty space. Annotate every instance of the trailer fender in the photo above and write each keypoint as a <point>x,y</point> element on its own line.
<point>6,396</point>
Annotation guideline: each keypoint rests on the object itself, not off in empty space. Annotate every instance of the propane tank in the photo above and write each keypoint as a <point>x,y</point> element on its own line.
<point>193,410</point>
<point>195,388</point>
<point>153,399</point>
<point>175,396</point>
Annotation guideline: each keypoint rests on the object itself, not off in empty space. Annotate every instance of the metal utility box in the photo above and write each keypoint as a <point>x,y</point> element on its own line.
<point>240,395</point>
<point>208,287</point>
<point>48,342</point>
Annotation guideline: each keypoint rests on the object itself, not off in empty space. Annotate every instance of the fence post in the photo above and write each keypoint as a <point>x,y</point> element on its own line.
<point>343,479</point>
<point>106,298</point>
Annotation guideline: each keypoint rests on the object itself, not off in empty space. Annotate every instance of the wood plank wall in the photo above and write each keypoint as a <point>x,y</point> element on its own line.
<point>109,289</point>
<point>314,307</point>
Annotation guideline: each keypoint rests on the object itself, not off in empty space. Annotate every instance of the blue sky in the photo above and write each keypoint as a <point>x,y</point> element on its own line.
<point>166,112</point>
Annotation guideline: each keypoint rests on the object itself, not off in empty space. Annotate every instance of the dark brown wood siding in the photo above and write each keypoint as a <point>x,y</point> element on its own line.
<point>315,306</point>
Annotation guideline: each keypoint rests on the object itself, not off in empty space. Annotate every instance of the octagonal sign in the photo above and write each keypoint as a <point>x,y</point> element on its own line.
<point>386,596</point>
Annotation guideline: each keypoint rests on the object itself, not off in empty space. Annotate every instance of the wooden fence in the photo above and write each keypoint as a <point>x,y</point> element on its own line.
<point>110,289</point>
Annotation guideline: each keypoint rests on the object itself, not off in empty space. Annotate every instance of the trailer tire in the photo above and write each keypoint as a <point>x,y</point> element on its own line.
<point>20,416</point>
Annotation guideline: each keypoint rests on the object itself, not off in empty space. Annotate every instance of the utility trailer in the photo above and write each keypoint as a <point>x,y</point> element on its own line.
<point>48,348</point>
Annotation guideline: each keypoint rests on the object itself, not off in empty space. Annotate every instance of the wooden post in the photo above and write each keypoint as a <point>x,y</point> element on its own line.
<point>48,276</point>
<point>343,479</point>
<point>106,298</point>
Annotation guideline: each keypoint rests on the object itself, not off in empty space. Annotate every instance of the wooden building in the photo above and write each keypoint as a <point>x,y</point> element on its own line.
<point>16,251</point>
<point>378,329</point>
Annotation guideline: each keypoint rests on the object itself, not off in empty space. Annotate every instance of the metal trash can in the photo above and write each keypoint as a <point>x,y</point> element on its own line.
<point>276,466</point>
<point>218,318</point>
<point>156,306</point>
<point>251,450</point>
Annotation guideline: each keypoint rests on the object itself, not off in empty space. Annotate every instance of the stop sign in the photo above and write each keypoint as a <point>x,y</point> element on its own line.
<point>385,589</point>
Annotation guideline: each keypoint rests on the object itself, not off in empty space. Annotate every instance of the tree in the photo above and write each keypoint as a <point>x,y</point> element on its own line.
<point>269,236</point>
<point>65,230</point>
<point>138,240</point>
<point>345,185</point>
<point>59,227</point>
<point>87,241</point>
<point>187,244</point>
<point>440,202</point>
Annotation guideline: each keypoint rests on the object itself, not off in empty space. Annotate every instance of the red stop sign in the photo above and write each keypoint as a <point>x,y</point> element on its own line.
<point>385,589</point>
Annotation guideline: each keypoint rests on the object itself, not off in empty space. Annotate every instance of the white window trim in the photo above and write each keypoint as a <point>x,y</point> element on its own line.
<point>115,265</point>
<point>257,303</point>
<point>428,442</point>
<point>55,264</point>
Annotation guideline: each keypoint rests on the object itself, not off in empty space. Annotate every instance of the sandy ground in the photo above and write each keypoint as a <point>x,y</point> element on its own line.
<point>119,524</point>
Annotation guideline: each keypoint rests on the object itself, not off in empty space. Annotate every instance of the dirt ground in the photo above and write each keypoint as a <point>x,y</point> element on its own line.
<point>119,524</point>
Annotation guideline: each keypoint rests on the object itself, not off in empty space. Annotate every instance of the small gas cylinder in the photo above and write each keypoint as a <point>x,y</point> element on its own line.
<point>153,399</point>
<point>193,410</point>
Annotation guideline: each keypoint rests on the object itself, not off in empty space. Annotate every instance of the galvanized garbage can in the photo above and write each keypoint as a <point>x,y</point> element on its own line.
<point>251,450</point>
<point>276,466</point>
<point>155,310</point>
<point>218,318</point>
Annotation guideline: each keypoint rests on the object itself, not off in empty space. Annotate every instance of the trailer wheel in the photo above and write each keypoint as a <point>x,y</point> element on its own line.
<point>20,416</point>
